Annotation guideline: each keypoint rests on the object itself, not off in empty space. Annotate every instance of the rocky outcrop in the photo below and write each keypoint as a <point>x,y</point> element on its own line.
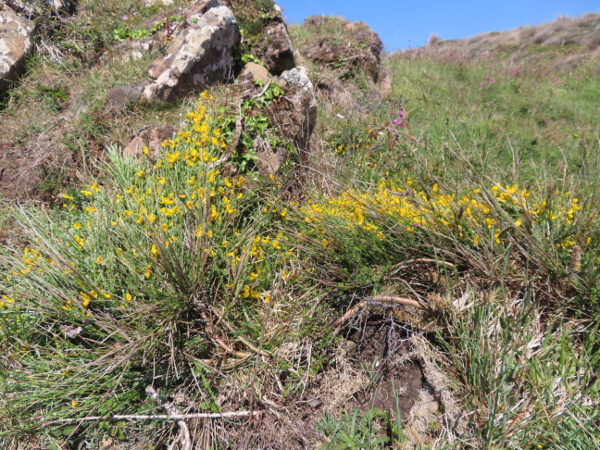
<point>15,42</point>
<point>295,115</point>
<point>200,55</point>
<point>275,50</point>
<point>358,48</point>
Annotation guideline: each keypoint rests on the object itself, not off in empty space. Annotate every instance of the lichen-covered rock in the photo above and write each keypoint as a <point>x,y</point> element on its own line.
<point>15,43</point>
<point>152,137</point>
<point>295,114</point>
<point>130,50</point>
<point>200,55</point>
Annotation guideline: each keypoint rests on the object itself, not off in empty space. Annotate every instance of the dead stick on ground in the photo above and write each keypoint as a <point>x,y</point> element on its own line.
<point>184,432</point>
<point>260,94</point>
<point>224,415</point>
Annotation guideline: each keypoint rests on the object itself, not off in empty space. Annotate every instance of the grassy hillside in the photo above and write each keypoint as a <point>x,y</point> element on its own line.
<point>451,225</point>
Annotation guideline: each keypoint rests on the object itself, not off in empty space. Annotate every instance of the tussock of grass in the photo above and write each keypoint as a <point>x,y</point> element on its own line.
<point>473,192</point>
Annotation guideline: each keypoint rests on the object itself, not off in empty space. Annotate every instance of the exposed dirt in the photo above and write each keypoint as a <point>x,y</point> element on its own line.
<point>379,347</point>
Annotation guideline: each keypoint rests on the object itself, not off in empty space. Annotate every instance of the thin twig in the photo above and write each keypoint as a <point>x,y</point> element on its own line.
<point>260,94</point>
<point>184,431</point>
<point>390,299</point>
<point>224,415</point>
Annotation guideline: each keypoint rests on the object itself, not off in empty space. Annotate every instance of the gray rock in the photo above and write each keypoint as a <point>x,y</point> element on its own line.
<point>130,50</point>
<point>15,43</point>
<point>296,114</point>
<point>276,50</point>
<point>200,55</point>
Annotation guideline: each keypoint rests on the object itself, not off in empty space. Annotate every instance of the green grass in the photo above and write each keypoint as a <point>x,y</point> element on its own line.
<point>220,292</point>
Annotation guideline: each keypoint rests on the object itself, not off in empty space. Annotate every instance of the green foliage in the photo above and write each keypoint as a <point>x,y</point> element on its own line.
<point>117,289</point>
<point>357,430</point>
<point>504,355</point>
<point>125,33</point>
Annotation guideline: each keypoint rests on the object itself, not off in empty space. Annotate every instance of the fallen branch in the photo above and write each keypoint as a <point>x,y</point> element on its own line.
<point>260,94</point>
<point>184,432</point>
<point>225,415</point>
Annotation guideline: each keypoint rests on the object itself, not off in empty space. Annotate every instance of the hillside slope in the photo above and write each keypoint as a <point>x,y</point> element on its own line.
<point>422,271</point>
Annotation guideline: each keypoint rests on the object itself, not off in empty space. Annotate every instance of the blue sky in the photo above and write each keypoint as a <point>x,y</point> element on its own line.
<point>397,22</point>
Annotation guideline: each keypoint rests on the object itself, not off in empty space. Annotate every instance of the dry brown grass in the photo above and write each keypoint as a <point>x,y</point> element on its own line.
<point>580,34</point>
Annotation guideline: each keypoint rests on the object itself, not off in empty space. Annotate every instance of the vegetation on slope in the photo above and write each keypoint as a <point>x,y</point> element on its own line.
<point>472,190</point>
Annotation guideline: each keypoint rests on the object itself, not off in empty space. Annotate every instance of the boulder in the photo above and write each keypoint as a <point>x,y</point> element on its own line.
<point>200,55</point>
<point>276,50</point>
<point>295,114</point>
<point>15,43</point>
<point>152,137</point>
<point>196,9</point>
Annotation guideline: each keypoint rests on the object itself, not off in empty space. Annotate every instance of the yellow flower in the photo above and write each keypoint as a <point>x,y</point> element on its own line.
<point>86,299</point>
<point>172,157</point>
<point>74,403</point>
<point>154,250</point>
<point>213,213</point>
<point>128,297</point>
<point>77,225</point>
